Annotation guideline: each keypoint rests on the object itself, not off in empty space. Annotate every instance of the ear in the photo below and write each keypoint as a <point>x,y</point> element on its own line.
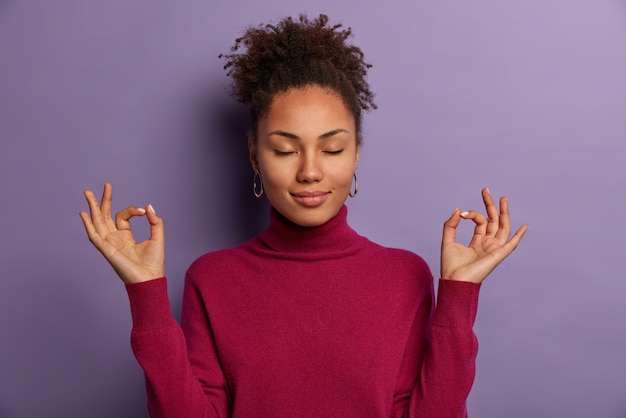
<point>252,152</point>
<point>358,155</point>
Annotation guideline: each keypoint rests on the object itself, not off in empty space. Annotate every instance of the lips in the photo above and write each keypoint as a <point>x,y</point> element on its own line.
<point>310,199</point>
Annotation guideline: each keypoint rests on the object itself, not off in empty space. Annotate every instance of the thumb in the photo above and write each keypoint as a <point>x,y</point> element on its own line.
<point>449,227</point>
<point>156,225</point>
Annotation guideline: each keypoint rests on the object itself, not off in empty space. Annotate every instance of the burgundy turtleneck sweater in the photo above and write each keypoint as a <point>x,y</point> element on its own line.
<point>307,322</point>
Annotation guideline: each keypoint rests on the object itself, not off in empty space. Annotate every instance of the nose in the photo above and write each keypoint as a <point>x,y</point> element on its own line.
<point>310,170</point>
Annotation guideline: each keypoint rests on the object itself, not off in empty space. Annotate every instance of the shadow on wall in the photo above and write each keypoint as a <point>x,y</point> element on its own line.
<point>4,412</point>
<point>224,131</point>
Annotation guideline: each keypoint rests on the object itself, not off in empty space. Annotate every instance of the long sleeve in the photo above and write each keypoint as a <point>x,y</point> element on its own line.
<point>443,360</point>
<point>173,390</point>
<point>316,322</point>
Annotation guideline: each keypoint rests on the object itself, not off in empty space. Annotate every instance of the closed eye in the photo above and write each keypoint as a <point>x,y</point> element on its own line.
<point>279,152</point>
<point>334,152</point>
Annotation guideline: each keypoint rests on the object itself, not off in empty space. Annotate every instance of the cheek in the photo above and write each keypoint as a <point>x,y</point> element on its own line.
<point>275,175</point>
<point>342,174</point>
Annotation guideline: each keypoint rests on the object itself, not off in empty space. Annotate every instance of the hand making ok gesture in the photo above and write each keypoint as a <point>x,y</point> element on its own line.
<point>133,261</point>
<point>488,247</point>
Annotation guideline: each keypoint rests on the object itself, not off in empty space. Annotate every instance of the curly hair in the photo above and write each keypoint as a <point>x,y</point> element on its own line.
<point>296,54</point>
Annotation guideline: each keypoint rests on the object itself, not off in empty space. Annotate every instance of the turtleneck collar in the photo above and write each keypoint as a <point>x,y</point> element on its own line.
<point>328,240</point>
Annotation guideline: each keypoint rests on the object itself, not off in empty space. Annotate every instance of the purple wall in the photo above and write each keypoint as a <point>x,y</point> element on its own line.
<point>526,97</point>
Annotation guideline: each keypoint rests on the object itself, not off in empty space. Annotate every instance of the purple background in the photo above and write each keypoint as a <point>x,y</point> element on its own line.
<point>526,97</point>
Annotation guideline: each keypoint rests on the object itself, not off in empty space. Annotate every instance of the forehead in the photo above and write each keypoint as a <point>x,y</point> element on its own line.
<point>307,107</point>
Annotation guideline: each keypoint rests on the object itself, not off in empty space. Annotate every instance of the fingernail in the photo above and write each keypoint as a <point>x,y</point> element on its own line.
<point>151,209</point>
<point>464,213</point>
<point>453,212</point>
<point>142,210</point>
<point>487,188</point>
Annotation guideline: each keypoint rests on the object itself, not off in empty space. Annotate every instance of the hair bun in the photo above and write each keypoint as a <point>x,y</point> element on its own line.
<point>277,57</point>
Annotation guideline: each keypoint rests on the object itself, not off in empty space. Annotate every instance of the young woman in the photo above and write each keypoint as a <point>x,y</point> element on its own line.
<point>308,319</point>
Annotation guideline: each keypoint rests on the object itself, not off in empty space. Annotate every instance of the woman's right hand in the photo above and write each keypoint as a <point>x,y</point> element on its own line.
<point>133,262</point>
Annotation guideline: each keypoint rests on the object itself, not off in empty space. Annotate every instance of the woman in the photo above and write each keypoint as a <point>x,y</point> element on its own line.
<point>307,319</point>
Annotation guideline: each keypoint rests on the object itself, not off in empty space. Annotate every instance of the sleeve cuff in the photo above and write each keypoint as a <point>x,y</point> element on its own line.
<point>149,304</point>
<point>457,304</point>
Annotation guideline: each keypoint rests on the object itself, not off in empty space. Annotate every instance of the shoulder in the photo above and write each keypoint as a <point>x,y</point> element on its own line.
<point>401,275</point>
<point>397,262</point>
<point>221,262</point>
<point>404,257</point>
<point>397,257</point>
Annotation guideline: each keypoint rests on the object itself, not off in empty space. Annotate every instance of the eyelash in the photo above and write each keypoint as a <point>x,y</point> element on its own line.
<point>282,153</point>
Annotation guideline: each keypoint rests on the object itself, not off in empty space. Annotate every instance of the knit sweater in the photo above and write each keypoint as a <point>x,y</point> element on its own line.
<point>307,322</point>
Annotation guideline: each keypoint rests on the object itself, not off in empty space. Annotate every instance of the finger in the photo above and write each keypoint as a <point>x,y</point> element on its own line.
<point>492,213</point>
<point>106,204</point>
<point>123,217</point>
<point>89,228</point>
<point>449,227</point>
<point>92,202</point>
<point>106,201</point>
<point>517,237</point>
<point>504,229</point>
<point>505,250</point>
<point>156,225</point>
<point>92,233</point>
<point>96,213</point>
<point>481,223</point>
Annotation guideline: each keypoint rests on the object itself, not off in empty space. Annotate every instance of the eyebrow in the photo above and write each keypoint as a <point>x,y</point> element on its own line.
<point>296,137</point>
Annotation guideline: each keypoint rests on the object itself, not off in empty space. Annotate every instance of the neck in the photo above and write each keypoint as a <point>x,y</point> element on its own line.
<point>287,237</point>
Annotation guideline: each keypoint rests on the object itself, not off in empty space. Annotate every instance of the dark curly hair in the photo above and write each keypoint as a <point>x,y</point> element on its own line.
<point>296,54</point>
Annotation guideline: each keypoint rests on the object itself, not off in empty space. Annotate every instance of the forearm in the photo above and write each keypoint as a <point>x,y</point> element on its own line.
<point>160,348</point>
<point>448,366</point>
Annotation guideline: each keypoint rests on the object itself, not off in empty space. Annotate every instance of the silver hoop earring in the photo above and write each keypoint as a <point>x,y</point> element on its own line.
<point>254,185</point>
<point>356,187</point>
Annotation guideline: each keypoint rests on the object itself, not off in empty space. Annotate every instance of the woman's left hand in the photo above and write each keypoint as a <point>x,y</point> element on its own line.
<point>488,247</point>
